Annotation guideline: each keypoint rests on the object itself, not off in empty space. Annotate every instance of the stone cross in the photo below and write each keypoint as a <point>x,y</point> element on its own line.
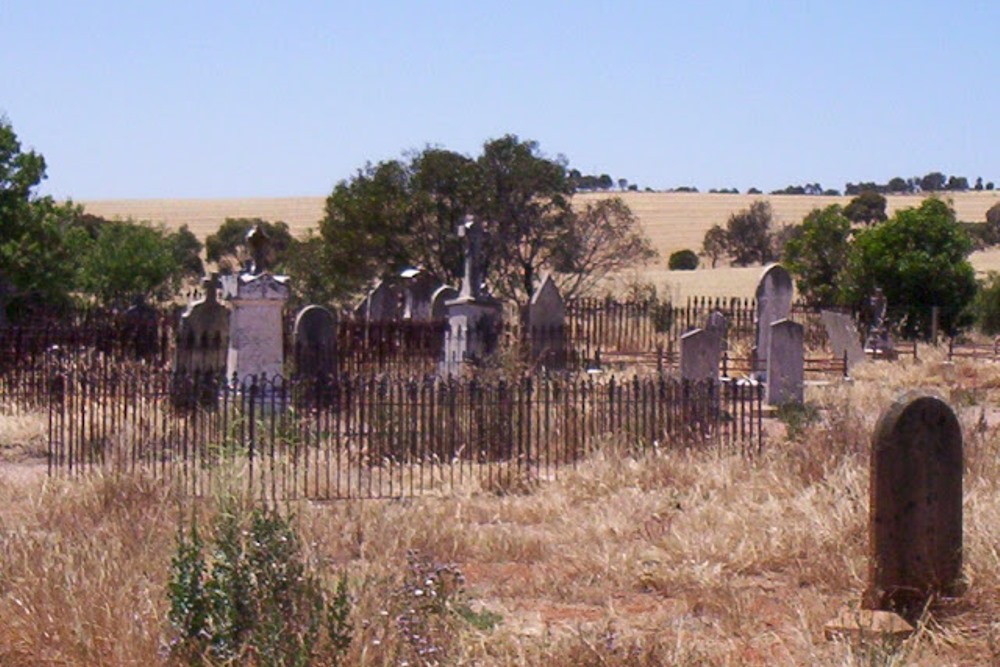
<point>210,284</point>
<point>915,514</point>
<point>472,232</point>
<point>259,244</point>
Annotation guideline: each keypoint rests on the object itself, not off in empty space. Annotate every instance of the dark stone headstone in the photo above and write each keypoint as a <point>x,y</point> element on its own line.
<point>546,325</point>
<point>203,335</point>
<point>915,522</point>
<point>701,350</point>
<point>315,340</point>
<point>141,329</point>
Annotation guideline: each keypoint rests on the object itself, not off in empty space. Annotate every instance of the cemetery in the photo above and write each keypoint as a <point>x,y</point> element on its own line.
<point>435,395</point>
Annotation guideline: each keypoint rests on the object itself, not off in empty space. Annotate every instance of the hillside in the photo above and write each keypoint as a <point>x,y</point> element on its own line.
<point>673,221</point>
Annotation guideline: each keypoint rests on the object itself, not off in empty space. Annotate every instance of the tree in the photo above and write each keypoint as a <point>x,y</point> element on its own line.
<point>715,245</point>
<point>36,256</point>
<point>957,184</point>
<point>986,305</point>
<point>748,235</point>
<point>933,182</point>
<point>227,246</point>
<point>817,252</point>
<point>187,252</point>
<point>897,184</point>
<point>868,208</point>
<point>603,238</point>
<point>683,260</point>
<point>918,257</point>
<point>525,200</point>
<point>129,259</point>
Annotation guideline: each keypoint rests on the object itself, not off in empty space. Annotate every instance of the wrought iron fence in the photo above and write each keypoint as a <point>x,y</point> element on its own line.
<point>364,437</point>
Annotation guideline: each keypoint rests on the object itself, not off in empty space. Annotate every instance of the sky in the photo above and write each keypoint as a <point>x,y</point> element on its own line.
<point>148,99</point>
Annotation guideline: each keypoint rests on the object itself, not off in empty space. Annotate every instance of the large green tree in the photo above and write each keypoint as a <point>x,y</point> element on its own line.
<point>404,213</point>
<point>816,253</point>
<point>748,235</point>
<point>867,208</point>
<point>37,263</point>
<point>919,257</point>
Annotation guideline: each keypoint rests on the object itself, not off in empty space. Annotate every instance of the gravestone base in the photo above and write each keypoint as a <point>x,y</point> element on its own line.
<point>473,333</point>
<point>859,625</point>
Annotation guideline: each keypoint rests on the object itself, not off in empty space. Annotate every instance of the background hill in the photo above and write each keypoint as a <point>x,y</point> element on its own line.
<point>673,221</point>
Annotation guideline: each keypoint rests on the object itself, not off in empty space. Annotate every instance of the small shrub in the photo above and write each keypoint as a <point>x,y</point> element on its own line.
<point>252,597</point>
<point>683,260</point>
<point>796,417</point>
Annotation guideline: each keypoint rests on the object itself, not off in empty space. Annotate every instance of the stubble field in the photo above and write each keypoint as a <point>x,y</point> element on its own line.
<point>673,221</point>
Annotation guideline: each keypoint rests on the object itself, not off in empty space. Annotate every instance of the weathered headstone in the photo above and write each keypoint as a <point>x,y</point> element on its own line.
<point>915,520</point>
<point>879,340</point>
<point>141,330</point>
<point>785,363</point>
<point>442,295</point>
<point>256,333</point>
<point>774,303</point>
<point>315,339</point>
<point>843,336</point>
<point>701,350</point>
<point>381,305</point>
<point>418,289</point>
<point>474,317</point>
<point>546,325</point>
<point>717,324</point>
<point>203,335</point>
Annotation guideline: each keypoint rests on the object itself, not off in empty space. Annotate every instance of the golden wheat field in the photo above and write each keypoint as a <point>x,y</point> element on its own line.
<point>664,557</point>
<point>673,221</point>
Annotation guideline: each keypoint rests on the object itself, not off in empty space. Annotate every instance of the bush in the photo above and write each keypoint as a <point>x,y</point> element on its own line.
<point>986,305</point>
<point>253,597</point>
<point>683,260</point>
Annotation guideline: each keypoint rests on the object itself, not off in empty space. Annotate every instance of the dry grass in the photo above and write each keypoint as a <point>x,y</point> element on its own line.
<point>677,557</point>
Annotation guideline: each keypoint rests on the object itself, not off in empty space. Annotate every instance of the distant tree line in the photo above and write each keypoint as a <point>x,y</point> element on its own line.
<point>935,181</point>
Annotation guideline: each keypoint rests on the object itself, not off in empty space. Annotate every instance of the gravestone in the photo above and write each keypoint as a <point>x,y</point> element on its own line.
<point>843,336</point>
<point>785,363</point>
<point>717,324</point>
<point>441,296</point>
<point>879,340</point>
<point>256,345</point>
<point>141,329</point>
<point>701,350</point>
<point>546,325</point>
<point>418,289</point>
<point>915,514</point>
<point>774,303</point>
<point>203,334</point>
<point>381,304</point>
<point>474,317</point>
<point>315,341</point>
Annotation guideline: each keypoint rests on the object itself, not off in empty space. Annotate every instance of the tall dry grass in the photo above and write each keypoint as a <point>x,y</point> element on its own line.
<point>681,557</point>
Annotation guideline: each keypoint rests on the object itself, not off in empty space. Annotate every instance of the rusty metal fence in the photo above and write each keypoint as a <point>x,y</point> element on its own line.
<point>363,437</point>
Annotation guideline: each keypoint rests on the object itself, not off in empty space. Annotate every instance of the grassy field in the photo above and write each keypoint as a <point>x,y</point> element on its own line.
<point>673,221</point>
<point>672,557</point>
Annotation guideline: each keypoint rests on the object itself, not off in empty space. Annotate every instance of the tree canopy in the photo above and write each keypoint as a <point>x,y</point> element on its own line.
<point>816,253</point>
<point>919,259</point>
<point>867,208</point>
<point>400,214</point>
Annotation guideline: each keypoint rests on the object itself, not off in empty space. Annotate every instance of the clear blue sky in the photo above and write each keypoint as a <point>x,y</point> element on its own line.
<point>234,99</point>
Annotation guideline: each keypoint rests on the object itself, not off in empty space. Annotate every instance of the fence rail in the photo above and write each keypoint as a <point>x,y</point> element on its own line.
<point>375,438</point>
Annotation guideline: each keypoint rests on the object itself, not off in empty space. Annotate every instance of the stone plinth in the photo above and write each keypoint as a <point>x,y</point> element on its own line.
<point>473,332</point>
<point>256,344</point>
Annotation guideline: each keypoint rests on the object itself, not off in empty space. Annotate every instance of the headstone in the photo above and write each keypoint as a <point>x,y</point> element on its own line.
<point>256,332</point>
<point>701,350</point>
<point>474,317</point>
<point>717,324</point>
<point>418,289</point>
<point>441,296</point>
<point>315,340</point>
<point>785,363</point>
<point>843,336</point>
<point>546,325</point>
<point>915,519</point>
<point>774,302</point>
<point>141,329</point>
<point>203,335</point>
<point>879,340</point>
<point>381,304</point>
